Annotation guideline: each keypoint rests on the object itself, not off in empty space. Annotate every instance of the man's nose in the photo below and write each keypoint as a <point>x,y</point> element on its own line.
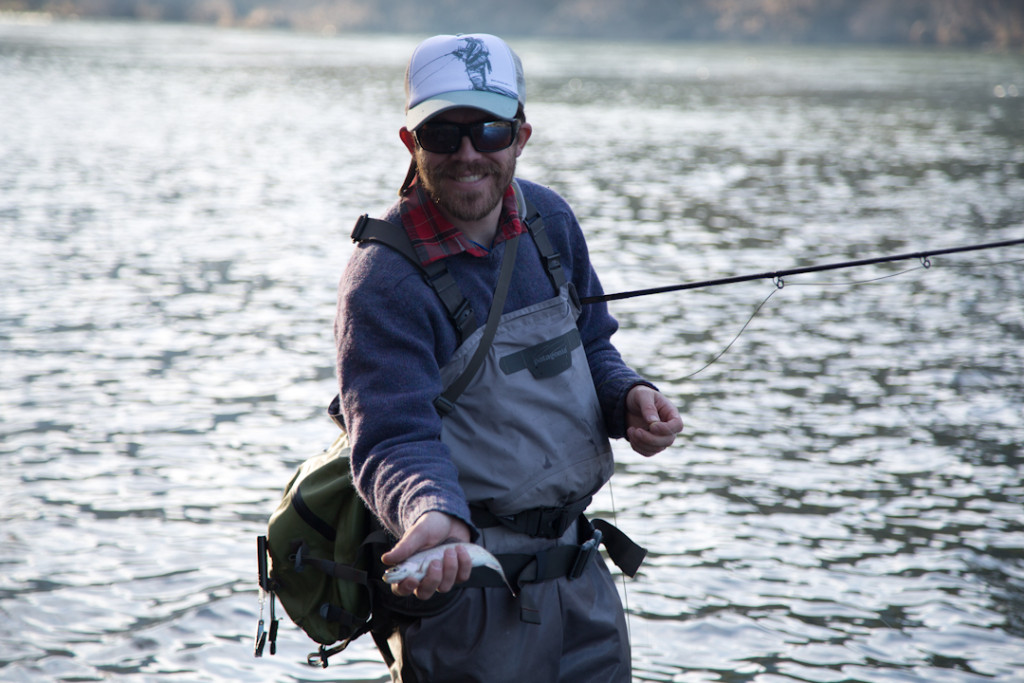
<point>466,150</point>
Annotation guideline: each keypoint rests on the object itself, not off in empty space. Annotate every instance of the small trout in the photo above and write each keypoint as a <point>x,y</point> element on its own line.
<point>416,566</point>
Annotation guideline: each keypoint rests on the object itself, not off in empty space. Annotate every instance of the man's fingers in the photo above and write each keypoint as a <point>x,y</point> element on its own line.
<point>441,575</point>
<point>647,443</point>
<point>429,583</point>
<point>465,564</point>
<point>449,570</point>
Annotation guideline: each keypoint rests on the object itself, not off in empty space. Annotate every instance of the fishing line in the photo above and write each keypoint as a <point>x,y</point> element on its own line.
<point>982,265</point>
<point>822,283</point>
<point>780,283</point>
<point>738,335</point>
<point>625,590</point>
<point>435,59</point>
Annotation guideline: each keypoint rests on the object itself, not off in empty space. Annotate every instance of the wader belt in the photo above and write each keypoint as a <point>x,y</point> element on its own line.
<point>535,522</point>
<point>563,561</point>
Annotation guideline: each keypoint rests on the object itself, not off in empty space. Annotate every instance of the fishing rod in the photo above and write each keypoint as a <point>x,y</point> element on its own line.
<point>778,275</point>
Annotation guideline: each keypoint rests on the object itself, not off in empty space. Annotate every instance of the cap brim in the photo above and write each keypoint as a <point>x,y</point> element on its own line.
<point>493,103</point>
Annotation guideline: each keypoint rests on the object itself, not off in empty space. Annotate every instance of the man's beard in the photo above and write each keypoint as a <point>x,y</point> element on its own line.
<point>465,206</point>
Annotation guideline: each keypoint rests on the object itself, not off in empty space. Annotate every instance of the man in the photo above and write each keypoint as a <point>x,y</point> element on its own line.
<point>527,438</point>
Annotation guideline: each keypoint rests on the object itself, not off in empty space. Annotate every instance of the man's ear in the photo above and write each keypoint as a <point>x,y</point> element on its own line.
<point>525,131</point>
<point>407,139</point>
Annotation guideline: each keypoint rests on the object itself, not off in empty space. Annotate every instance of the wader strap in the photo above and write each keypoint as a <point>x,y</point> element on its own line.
<point>563,561</point>
<point>535,224</point>
<point>445,403</point>
<point>625,553</point>
<point>441,281</point>
<point>535,522</point>
<point>436,274</point>
<point>522,568</point>
<point>381,640</point>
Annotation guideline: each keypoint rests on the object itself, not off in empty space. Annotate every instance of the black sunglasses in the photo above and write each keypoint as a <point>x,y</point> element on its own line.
<point>487,136</point>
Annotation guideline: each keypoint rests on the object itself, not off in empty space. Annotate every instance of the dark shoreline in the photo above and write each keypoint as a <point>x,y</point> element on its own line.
<point>989,24</point>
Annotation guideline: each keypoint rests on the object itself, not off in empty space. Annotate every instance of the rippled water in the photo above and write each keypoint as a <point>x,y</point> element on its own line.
<point>847,503</point>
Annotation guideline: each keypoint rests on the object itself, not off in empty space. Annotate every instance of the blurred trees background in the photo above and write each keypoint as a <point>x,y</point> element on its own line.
<point>988,23</point>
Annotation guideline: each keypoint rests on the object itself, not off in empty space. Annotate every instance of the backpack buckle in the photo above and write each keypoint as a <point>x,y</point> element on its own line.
<point>357,231</point>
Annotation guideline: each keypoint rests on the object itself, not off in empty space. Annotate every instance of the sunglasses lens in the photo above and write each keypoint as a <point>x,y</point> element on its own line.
<point>439,138</point>
<point>445,138</point>
<point>493,136</point>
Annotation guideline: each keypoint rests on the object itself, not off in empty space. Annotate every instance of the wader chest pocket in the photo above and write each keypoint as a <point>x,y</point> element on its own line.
<point>547,359</point>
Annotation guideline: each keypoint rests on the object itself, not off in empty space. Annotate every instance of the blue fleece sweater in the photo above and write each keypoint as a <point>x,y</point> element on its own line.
<point>393,337</point>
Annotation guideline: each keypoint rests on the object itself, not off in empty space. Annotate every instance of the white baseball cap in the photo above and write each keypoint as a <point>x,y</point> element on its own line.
<point>475,70</point>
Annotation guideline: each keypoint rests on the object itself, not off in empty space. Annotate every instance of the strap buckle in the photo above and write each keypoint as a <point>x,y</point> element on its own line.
<point>357,231</point>
<point>586,553</point>
<point>461,314</point>
<point>443,406</point>
<point>553,263</point>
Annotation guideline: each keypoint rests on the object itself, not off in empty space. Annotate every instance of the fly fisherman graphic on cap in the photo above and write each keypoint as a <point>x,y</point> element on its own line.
<point>476,58</point>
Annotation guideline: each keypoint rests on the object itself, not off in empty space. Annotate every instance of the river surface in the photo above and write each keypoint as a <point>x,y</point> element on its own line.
<point>847,502</point>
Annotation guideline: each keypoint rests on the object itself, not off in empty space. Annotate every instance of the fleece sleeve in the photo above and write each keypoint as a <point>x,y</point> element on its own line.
<point>386,338</point>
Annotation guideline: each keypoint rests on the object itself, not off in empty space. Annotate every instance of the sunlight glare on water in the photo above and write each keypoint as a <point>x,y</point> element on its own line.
<point>845,504</point>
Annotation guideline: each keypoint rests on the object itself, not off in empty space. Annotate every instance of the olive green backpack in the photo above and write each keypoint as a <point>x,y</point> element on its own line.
<point>323,547</point>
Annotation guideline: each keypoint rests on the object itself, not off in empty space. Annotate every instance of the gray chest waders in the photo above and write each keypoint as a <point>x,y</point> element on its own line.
<point>523,423</point>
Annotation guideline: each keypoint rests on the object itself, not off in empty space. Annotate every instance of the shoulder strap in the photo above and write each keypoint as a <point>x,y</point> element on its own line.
<point>459,311</point>
<point>535,224</point>
<point>445,402</point>
<point>436,274</point>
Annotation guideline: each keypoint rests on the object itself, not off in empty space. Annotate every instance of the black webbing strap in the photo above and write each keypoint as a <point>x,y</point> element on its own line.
<point>436,274</point>
<point>441,281</point>
<point>535,224</point>
<point>459,310</point>
<point>320,525</point>
<point>334,412</point>
<point>337,570</point>
<point>336,614</point>
<point>445,402</point>
<point>624,551</point>
<point>563,561</point>
<point>535,522</point>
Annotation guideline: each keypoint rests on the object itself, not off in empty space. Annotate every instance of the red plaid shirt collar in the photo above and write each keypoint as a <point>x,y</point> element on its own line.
<point>434,237</point>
